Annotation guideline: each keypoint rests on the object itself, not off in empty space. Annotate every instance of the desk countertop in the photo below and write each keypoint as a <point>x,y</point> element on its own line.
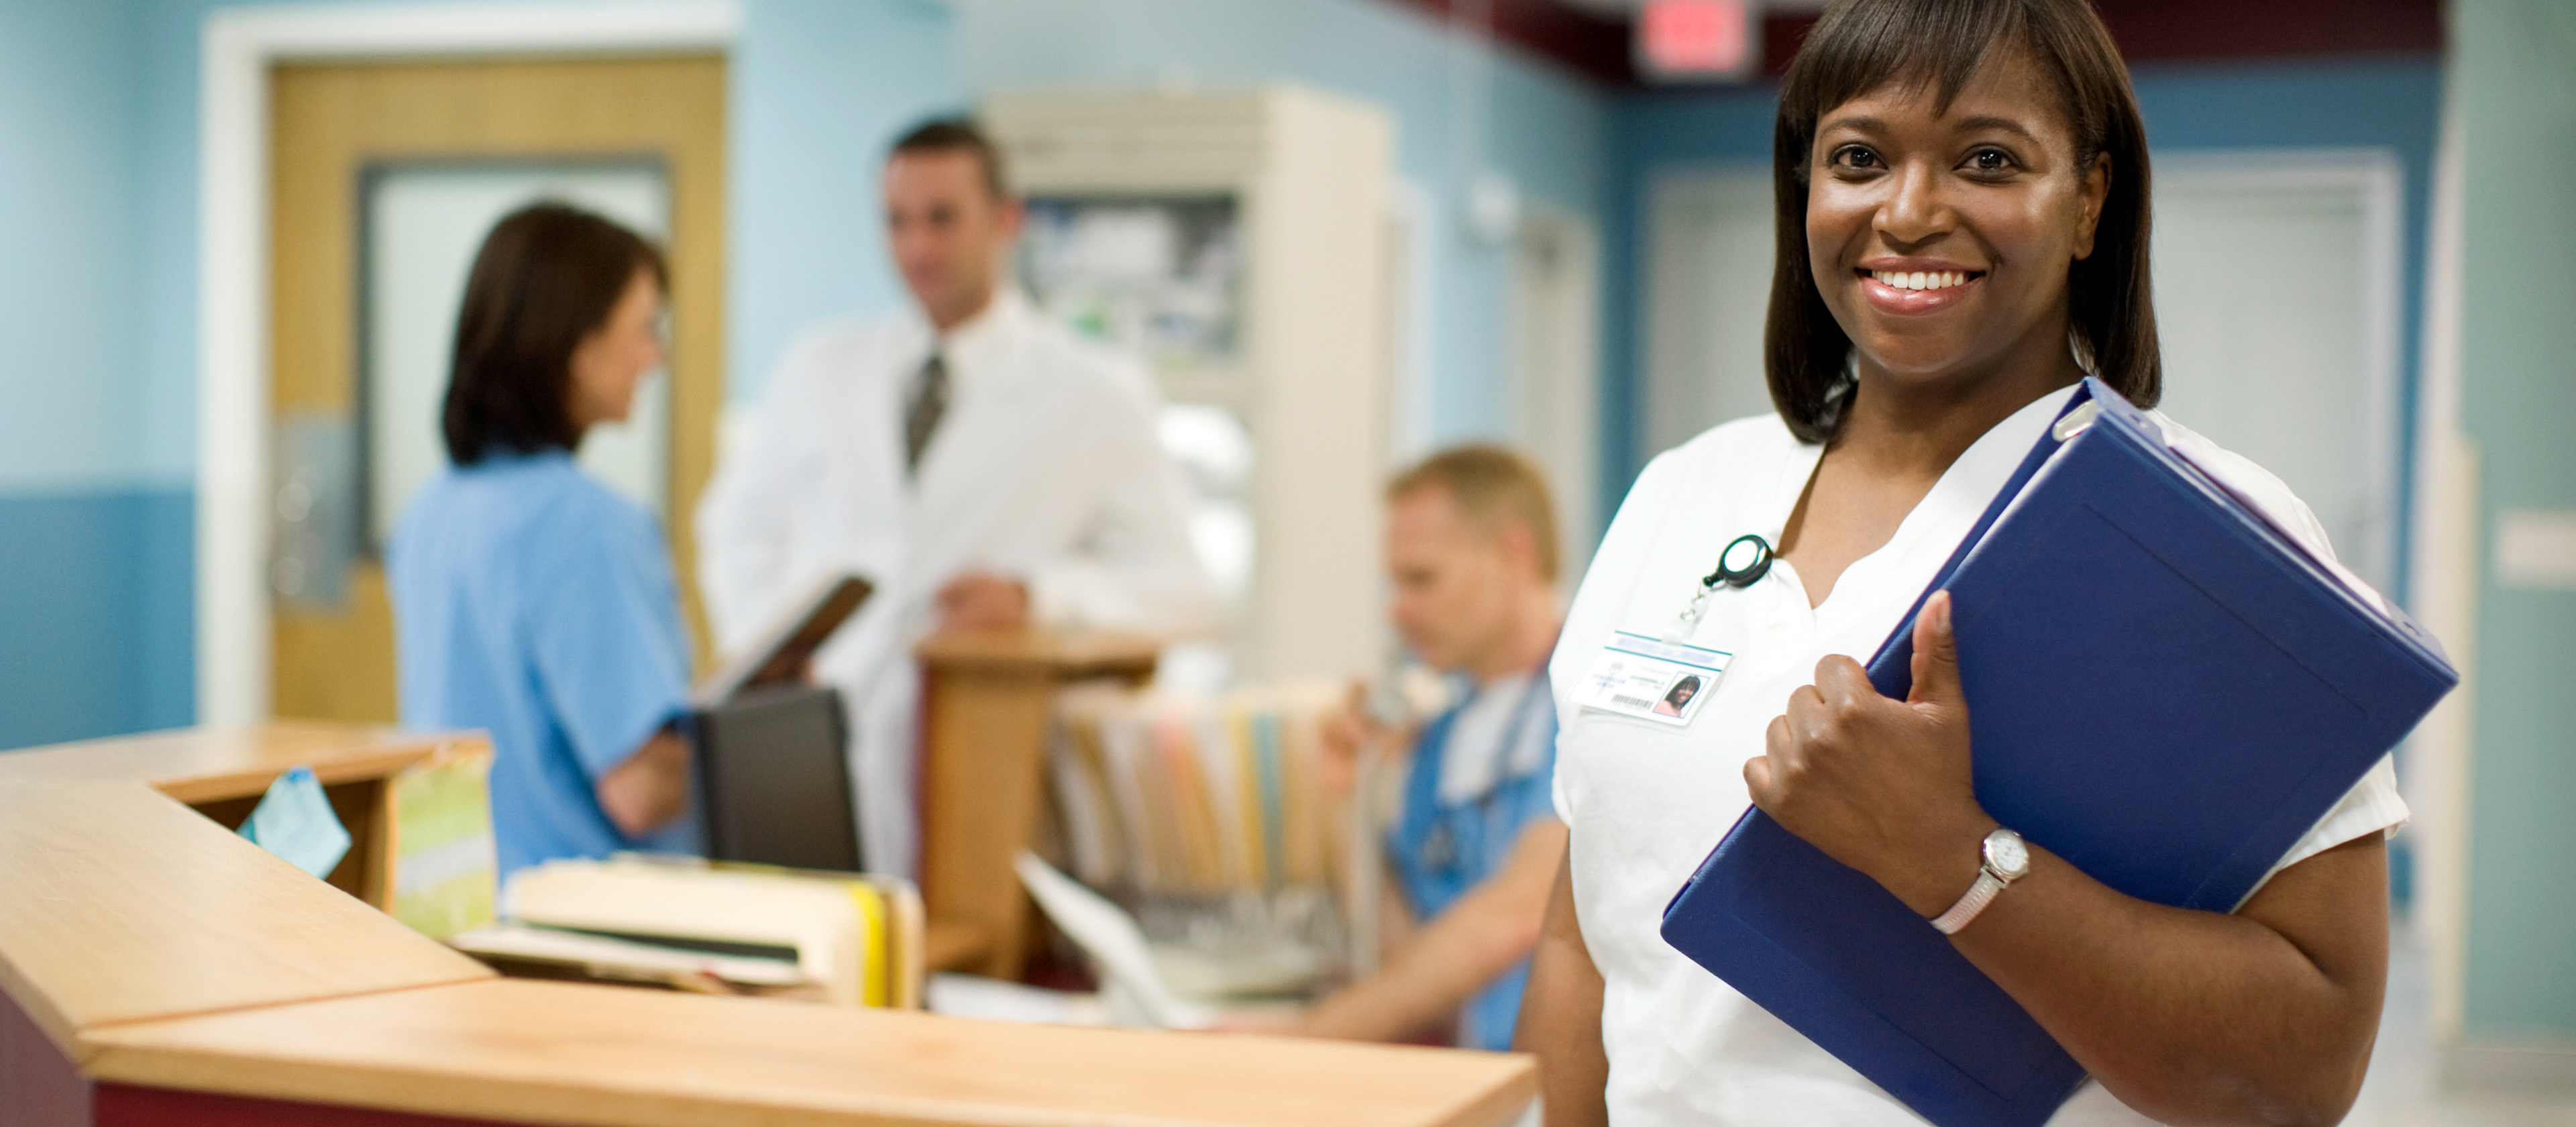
<point>156,949</point>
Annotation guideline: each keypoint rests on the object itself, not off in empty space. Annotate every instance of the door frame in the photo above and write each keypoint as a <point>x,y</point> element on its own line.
<point>237,48</point>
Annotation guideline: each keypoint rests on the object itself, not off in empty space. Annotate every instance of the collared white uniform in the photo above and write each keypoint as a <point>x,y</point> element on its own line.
<point>1646,802</point>
<point>1044,468</point>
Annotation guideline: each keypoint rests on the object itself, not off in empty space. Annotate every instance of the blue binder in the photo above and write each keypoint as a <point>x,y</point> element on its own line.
<point>2162,689</point>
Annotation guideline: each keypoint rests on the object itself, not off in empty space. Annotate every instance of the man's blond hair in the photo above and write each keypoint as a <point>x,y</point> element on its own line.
<point>1493,487</point>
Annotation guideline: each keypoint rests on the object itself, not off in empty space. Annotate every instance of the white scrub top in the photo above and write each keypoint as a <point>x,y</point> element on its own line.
<point>1646,802</point>
<point>1045,468</point>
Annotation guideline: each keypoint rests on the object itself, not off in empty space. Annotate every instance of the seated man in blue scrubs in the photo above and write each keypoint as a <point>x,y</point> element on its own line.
<point>1472,555</point>
<point>529,600</point>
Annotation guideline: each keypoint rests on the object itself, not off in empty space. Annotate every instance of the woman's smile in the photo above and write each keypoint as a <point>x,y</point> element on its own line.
<point>1909,287</point>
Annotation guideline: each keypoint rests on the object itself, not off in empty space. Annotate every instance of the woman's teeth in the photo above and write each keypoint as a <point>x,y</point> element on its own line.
<point>1920,279</point>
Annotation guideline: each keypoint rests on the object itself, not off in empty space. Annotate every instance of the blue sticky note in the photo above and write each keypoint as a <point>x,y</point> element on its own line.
<point>294,821</point>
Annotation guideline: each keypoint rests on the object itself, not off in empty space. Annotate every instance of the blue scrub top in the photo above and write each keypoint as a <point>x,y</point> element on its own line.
<point>1440,851</point>
<point>533,603</point>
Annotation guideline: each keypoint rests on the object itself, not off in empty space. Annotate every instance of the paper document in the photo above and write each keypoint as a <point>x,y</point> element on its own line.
<point>1129,978</point>
<point>294,821</point>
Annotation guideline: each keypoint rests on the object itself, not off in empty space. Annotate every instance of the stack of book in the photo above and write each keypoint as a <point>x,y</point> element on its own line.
<point>839,938</point>
<point>1168,795</point>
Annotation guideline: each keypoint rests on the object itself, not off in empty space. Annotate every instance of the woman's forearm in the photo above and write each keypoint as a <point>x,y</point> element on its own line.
<point>650,788</point>
<point>1561,1016</point>
<point>2262,1017</point>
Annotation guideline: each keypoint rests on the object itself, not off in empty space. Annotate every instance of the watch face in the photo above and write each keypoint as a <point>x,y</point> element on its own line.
<point>2007,854</point>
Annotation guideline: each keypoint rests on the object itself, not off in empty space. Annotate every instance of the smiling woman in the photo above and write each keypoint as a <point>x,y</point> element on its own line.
<point>2079,99</point>
<point>1962,218</point>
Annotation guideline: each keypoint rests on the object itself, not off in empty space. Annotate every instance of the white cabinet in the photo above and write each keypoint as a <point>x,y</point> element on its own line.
<point>1237,240</point>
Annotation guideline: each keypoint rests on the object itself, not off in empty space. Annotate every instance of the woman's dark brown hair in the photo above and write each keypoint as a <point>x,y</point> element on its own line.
<point>1858,46</point>
<point>547,275</point>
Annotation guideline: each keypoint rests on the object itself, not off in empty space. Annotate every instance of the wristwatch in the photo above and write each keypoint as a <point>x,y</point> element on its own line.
<point>2006,860</point>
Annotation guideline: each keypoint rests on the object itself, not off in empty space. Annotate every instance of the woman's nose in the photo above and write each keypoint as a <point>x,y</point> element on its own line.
<point>1916,211</point>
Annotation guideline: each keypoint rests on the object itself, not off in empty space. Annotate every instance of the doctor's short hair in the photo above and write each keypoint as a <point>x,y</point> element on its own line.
<point>547,275</point>
<point>1860,45</point>
<point>956,135</point>
<point>1493,487</point>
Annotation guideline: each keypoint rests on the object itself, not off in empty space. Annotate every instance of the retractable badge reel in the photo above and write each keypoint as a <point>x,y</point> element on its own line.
<point>1745,561</point>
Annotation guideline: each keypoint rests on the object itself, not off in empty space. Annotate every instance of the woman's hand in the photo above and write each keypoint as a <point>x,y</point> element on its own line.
<point>1882,785</point>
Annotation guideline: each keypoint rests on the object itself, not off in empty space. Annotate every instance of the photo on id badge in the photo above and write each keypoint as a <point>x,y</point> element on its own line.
<point>1652,679</point>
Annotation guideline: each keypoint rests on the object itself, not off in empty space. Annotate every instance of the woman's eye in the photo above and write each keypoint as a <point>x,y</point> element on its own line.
<point>1854,157</point>
<point>1990,160</point>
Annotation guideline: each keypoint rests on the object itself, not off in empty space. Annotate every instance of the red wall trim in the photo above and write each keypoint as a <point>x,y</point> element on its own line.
<point>2186,30</point>
<point>125,1105</point>
<point>1598,46</point>
<point>39,1086</point>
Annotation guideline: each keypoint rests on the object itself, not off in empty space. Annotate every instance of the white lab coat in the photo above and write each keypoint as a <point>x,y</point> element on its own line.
<point>1045,468</point>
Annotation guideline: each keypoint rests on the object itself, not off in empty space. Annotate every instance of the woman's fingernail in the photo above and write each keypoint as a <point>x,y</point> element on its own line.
<point>1941,613</point>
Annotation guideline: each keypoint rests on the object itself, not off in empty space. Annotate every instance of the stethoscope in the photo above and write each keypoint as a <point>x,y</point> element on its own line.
<point>1743,562</point>
<point>1440,849</point>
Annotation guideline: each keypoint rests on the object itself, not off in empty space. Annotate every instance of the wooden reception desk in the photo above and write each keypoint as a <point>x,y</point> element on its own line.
<point>157,969</point>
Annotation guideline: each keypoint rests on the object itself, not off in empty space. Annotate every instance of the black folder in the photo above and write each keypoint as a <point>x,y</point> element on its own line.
<point>772,763</point>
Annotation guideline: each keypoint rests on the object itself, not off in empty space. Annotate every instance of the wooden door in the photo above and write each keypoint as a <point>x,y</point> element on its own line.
<point>337,132</point>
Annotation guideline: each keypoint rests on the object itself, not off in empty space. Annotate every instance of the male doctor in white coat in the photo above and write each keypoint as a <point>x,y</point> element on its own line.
<point>982,467</point>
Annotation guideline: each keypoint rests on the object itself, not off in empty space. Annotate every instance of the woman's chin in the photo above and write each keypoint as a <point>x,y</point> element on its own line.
<point>1916,362</point>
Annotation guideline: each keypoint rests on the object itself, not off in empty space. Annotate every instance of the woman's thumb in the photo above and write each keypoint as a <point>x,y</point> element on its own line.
<point>1936,655</point>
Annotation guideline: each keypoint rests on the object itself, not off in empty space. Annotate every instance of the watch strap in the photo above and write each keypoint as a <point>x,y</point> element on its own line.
<point>1979,895</point>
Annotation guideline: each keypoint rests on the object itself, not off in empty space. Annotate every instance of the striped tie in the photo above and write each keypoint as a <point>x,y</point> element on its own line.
<point>924,402</point>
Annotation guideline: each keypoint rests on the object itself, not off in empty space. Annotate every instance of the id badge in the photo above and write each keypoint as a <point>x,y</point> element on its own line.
<point>1652,679</point>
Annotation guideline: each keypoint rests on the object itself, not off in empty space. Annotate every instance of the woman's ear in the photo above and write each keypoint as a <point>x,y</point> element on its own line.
<point>2095,189</point>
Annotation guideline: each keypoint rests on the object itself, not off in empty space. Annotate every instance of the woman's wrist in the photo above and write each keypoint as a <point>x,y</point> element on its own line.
<point>1935,874</point>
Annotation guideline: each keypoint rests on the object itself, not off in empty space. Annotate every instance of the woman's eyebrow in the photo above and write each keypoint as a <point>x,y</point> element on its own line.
<point>2004,124</point>
<point>1856,124</point>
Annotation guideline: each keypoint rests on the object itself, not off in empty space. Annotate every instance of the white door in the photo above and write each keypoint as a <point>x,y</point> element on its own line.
<point>1708,286</point>
<point>2276,302</point>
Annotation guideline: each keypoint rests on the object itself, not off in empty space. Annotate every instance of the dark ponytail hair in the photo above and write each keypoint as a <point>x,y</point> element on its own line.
<point>1860,45</point>
<point>547,276</point>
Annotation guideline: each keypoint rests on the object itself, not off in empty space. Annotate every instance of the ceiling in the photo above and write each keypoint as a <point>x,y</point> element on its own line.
<point>1592,37</point>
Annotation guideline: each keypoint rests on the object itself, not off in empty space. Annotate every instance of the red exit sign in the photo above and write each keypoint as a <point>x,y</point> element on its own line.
<point>1696,39</point>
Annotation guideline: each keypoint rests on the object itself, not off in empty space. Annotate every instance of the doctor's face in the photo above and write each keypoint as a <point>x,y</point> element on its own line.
<point>1454,582</point>
<point>1941,238</point>
<point>947,230</point>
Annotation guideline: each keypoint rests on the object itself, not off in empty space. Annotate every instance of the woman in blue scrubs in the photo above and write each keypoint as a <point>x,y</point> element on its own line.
<point>531,601</point>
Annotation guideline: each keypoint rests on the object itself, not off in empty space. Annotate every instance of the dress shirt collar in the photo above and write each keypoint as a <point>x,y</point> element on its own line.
<point>973,347</point>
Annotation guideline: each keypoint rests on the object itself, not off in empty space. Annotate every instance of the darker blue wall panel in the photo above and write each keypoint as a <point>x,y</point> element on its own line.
<point>97,614</point>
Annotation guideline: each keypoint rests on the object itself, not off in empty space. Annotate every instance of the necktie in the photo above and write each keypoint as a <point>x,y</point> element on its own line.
<point>924,402</point>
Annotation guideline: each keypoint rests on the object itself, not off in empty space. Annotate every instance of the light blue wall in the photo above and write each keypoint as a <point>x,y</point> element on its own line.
<point>96,592</point>
<point>819,88</point>
<point>71,148</point>
<point>1548,127</point>
<point>2516,85</point>
<point>97,626</point>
